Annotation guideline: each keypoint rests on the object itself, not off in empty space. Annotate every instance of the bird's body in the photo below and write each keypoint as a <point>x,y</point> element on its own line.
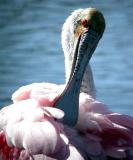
<point>32,128</point>
<point>34,124</point>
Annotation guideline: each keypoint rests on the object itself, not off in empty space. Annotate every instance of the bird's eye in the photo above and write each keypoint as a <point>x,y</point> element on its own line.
<point>84,22</point>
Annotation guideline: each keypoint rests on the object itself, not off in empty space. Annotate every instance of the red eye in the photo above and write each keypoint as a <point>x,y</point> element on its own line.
<point>84,22</point>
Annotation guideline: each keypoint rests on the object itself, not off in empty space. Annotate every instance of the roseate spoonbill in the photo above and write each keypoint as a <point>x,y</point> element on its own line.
<point>65,122</point>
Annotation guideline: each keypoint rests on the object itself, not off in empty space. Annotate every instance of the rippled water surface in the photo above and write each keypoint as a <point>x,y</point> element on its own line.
<point>30,48</point>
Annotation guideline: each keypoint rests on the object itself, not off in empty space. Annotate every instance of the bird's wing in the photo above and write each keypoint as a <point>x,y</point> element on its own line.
<point>28,128</point>
<point>38,91</point>
<point>113,131</point>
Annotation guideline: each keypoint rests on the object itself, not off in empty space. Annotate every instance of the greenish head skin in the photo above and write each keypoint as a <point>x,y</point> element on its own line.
<point>90,18</point>
<point>96,21</point>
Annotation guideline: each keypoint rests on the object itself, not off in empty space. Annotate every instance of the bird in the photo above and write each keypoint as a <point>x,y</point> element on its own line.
<point>66,122</point>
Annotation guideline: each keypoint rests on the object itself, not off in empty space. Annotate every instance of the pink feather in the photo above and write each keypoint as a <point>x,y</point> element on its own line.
<point>29,128</point>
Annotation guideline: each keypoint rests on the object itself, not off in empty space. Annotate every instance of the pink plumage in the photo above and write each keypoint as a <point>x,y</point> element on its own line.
<point>29,129</point>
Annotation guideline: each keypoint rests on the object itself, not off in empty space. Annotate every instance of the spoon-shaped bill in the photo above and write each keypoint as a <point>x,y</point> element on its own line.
<point>69,99</point>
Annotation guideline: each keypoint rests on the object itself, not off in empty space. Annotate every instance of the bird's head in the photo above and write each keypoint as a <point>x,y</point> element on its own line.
<point>77,23</point>
<point>89,18</point>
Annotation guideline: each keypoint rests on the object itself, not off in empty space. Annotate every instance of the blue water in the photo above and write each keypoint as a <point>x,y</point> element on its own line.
<point>30,48</point>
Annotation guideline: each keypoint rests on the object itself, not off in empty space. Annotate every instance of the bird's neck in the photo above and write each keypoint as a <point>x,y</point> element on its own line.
<point>68,48</point>
<point>88,85</point>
